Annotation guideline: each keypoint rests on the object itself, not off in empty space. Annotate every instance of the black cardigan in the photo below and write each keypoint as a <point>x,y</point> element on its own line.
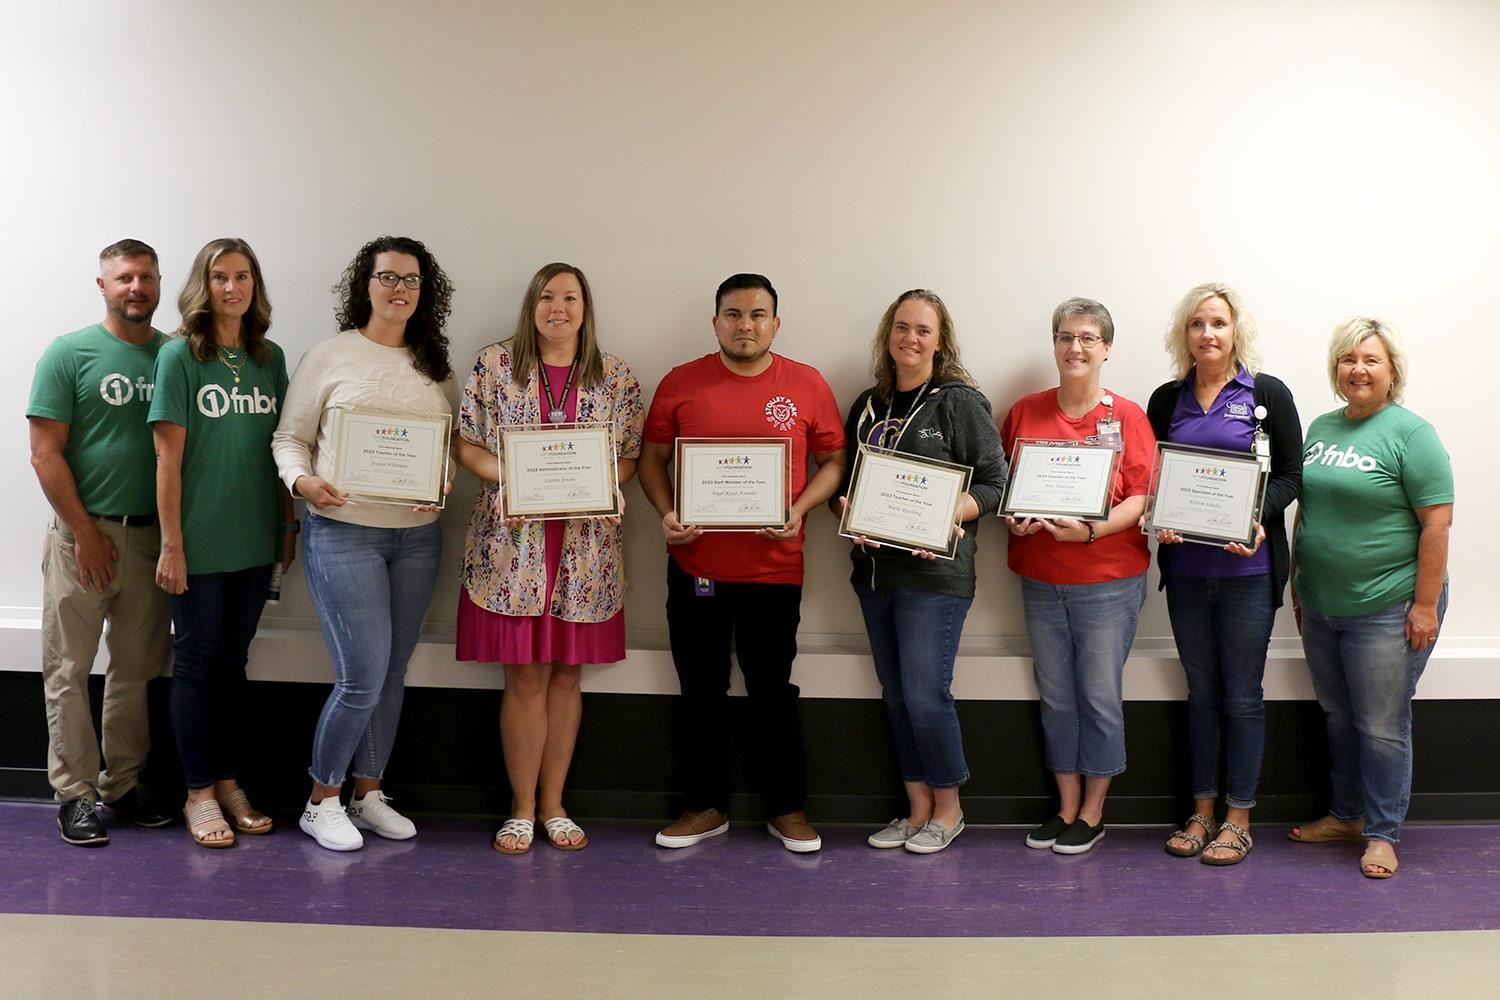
<point>1284,428</point>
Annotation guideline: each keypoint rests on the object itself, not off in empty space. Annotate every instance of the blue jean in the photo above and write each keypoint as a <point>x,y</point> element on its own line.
<point>1080,636</point>
<point>914,639</point>
<point>214,621</point>
<point>1222,625</point>
<point>1365,674</point>
<point>371,588</point>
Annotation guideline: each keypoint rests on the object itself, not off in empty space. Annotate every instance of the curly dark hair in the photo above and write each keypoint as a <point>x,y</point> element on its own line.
<point>424,331</point>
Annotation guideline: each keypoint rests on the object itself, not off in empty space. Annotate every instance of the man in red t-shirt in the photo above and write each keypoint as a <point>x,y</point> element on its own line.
<point>740,587</point>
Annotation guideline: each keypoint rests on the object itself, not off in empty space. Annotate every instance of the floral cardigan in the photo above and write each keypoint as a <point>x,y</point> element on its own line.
<point>505,569</point>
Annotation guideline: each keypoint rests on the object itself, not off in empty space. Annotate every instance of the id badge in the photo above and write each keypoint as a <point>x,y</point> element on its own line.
<point>1262,449</point>
<point>1108,433</point>
<point>703,586</point>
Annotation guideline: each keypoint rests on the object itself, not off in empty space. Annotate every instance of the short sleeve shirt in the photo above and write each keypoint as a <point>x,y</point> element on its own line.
<point>704,399</point>
<point>231,496</point>
<point>1115,557</point>
<point>101,387</point>
<point>1357,531</point>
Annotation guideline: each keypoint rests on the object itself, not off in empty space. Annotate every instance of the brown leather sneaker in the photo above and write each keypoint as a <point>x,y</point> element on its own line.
<point>795,832</point>
<point>693,828</point>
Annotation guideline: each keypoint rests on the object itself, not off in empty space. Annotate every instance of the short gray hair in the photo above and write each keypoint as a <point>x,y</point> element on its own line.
<point>1089,308</point>
<point>1349,334</point>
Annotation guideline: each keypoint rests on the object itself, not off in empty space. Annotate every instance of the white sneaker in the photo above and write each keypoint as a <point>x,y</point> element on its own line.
<point>373,812</point>
<point>326,823</point>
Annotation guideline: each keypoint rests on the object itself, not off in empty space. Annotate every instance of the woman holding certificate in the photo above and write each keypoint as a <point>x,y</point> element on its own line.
<point>1370,583</point>
<point>225,520</point>
<point>1223,600</point>
<point>1082,581</point>
<point>371,562</point>
<point>544,594</point>
<point>923,404</point>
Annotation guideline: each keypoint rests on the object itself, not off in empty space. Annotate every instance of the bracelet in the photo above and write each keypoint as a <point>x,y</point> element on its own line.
<point>1092,536</point>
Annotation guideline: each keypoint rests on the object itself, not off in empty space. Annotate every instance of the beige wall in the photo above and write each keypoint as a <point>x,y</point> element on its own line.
<point>1326,158</point>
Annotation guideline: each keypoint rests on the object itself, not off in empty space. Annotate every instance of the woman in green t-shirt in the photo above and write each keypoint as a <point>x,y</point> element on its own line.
<point>1370,583</point>
<point>225,519</point>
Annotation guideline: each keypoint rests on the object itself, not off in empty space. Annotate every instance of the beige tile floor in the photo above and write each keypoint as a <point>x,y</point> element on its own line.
<point>42,957</point>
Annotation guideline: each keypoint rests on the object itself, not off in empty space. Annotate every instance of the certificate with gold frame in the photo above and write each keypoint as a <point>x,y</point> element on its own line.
<point>733,484</point>
<point>905,501</point>
<point>557,471</point>
<point>395,458</point>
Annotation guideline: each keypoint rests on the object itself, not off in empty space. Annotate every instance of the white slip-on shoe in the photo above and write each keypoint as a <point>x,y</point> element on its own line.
<point>327,823</point>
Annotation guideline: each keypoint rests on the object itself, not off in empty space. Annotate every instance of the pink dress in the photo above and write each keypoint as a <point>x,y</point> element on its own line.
<point>488,637</point>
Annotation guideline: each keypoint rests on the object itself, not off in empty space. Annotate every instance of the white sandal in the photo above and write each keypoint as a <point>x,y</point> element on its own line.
<point>560,830</point>
<point>521,830</point>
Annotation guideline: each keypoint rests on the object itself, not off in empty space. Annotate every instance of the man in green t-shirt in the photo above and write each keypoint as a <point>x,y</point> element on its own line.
<point>92,451</point>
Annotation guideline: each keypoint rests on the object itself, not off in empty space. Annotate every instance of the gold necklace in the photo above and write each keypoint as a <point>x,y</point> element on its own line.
<point>234,369</point>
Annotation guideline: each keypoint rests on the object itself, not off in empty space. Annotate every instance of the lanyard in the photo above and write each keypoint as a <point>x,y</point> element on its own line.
<point>916,404</point>
<point>556,414</point>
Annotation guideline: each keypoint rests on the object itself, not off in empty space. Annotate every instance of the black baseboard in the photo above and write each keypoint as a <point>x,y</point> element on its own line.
<point>447,759</point>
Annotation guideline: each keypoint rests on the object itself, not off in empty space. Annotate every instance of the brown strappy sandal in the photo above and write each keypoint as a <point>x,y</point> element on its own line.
<point>1199,843</point>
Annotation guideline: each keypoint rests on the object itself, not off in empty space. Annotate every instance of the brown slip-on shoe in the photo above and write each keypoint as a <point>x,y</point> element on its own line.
<point>795,832</point>
<point>693,827</point>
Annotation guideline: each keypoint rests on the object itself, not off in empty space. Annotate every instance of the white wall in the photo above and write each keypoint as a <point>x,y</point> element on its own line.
<point>1326,158</point>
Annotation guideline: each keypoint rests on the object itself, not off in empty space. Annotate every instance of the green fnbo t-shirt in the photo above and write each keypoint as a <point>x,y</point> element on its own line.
<point>231,499</point>
<point>101,386</point>
<point>1358,529</point>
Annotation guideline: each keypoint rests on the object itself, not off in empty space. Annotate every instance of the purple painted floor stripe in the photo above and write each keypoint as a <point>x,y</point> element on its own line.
<point>987,884</point>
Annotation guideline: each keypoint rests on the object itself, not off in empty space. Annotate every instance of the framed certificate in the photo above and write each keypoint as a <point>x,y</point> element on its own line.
<point>396,458</point>
<point>554,471</point>
<point>734,484</point>
<point>1060,479</point>
<point>1206,495</point>
<point>905,501</point>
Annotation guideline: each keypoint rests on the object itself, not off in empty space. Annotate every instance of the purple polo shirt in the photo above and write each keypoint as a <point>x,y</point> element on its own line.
<point>1228,424</point>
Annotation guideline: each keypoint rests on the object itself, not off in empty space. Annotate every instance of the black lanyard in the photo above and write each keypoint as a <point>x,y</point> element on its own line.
<point>556,414</point>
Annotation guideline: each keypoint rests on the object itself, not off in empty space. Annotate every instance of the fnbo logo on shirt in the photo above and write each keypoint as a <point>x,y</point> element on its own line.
<point>782,413</point>
<point>117,390</point>
<point>213,401</point>
<point>1331,455</point>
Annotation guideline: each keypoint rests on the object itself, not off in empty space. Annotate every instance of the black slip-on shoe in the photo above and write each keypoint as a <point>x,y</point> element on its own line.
<point>1078,838</point>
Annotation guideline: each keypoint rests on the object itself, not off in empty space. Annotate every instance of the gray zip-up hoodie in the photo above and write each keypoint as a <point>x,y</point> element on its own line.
<point>952,422</point>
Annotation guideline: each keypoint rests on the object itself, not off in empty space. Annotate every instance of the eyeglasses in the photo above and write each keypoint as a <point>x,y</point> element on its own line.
<point>1088,341</point>
<point>391,279</point>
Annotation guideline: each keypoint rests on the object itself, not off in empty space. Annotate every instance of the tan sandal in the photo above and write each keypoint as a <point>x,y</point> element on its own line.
<point>244,817</point>
<point>1381,857</point>
<point>1328,830</point>
<point>1198,843</point>
<point>204,819</point>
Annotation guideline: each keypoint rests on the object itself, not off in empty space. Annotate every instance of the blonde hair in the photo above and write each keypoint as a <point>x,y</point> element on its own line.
<point>1242,351</point>
<point>946,366</point>
<point>1349,334</point>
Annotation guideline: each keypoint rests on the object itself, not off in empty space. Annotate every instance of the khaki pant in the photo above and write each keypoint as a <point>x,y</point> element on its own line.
<point>139,642</point>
